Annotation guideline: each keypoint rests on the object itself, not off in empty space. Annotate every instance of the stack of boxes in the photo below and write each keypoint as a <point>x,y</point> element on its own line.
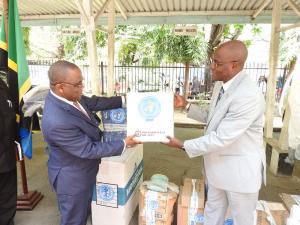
<point>156,208</point>
<point>270,213</point>
<point>191,202</point>
<point>116,193</point>
<point>290,200</point>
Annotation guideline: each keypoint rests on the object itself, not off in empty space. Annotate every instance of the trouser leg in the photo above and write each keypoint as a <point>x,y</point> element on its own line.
<point>8,197</point>
<point>242,207</point>
<point>215,207</point>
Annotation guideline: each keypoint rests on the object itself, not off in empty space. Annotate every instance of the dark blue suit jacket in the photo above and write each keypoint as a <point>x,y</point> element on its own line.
<point>75,142</point>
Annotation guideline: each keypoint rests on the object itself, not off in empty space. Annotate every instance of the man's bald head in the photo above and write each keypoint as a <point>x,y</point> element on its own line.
<point>59,71</point>
<point>235,50</point>
<point>228,60</point>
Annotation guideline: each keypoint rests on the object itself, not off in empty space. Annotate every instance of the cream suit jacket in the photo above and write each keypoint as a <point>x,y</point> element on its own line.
<point>232,147</point>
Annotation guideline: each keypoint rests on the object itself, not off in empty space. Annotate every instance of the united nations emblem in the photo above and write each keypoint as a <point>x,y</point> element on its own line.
<point>149,108</point>
<point>117,115</point>
<point>106,192</point>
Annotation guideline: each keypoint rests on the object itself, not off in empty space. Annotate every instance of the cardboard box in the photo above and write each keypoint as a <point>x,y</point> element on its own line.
<point>116,192</point>
<point>290,200</point>
<point>277,210</point>
<point>157,222</point>
<point>191,207</point>
<point>267,211</point>
<point>158,204</point>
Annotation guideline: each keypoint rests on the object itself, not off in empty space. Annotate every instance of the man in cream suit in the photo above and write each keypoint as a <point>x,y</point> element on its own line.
<point>232,147</point>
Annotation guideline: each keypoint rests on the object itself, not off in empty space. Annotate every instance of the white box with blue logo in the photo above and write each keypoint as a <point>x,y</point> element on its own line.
<point>116,194</point>
<point>150,116</point>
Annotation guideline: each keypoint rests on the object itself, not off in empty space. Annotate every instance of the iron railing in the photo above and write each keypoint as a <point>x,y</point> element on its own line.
<point>142,78</point>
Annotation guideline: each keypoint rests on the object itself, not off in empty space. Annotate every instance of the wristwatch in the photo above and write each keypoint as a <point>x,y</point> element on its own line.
<point>187,107</point>
<point>183,148</point>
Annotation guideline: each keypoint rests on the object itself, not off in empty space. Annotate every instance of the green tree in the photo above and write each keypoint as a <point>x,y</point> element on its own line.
<point>288,50</point>
<point>75,47</point>
<point>219,34</point>
<point>26,33</point>
<point>154,44</point>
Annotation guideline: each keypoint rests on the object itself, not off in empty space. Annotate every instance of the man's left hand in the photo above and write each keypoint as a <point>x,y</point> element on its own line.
<point>174,142</point>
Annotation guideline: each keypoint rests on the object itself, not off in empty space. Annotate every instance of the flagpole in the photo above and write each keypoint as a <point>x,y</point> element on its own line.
<point>28,199</point>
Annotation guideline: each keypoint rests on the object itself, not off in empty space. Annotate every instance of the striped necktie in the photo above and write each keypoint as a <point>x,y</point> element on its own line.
<point>76,104</point>
<point>220,95</point>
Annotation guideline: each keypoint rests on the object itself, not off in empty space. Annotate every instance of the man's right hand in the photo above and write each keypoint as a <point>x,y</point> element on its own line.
<point>179,101</point>
<point>130,142</point>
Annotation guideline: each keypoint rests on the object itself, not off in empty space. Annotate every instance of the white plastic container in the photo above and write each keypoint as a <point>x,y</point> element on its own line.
<point>116,193</point>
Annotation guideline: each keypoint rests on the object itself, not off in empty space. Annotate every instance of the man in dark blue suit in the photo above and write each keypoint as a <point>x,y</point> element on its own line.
<point>74,141</point>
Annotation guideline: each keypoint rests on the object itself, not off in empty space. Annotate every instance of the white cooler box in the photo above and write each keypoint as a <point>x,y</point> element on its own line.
<point>116,194</point>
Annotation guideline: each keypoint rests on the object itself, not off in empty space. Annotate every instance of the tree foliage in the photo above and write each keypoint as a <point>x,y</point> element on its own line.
<point>154,44</point>
<point>289,46</point>
<point>26,33</point>
<point>289,49</point>
<point>75,47</point>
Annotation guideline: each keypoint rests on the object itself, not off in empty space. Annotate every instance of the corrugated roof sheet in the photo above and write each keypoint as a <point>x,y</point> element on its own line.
<point>135,10</point>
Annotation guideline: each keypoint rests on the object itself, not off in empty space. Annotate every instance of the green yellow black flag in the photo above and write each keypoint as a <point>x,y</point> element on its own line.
<point>14,58</point>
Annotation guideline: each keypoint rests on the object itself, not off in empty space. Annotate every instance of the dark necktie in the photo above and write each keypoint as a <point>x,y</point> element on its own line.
<point>220,95</point>
<point>76,104</point>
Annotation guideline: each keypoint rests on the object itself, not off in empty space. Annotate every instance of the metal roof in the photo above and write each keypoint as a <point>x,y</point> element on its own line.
<point>65,12</point>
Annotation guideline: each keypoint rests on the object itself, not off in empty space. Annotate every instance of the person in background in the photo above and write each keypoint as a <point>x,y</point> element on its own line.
<point>75,141</point>
<point>117,89</point>
<point>232,147</point>
<point>179,85</point>
<point>195,89</point>
<point>292,113</point>
<point>262,84</point>
<point>8,172</point>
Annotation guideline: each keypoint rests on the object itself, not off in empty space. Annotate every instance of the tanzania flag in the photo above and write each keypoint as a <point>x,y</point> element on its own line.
<point>17,73</point>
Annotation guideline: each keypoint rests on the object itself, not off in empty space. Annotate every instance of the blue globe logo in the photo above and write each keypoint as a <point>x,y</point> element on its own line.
<point>106,192</point>
<point>149,108</point>
<point>199,218</point>
<point>117,115</point>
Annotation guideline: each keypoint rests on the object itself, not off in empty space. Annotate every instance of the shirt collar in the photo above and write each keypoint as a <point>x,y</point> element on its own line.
<point>61,98</point>
<point>228,83</point>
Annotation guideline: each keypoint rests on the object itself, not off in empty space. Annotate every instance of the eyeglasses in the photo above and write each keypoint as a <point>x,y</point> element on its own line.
<point>216,63</point>
<point>76,85</point>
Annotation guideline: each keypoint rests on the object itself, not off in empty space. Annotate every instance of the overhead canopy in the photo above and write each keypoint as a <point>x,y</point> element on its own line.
<point>65,12</point>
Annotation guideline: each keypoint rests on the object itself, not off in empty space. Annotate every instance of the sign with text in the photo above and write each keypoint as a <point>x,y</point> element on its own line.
<point>150,116</point>
<point>185,30</point>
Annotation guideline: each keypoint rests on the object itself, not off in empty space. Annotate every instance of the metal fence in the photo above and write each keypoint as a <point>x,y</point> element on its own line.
<point>142,78</point>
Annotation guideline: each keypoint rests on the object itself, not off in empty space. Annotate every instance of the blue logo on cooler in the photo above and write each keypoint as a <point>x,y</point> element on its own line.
<point>149,108</point>
<point>117,115</point>
<point>199,218</point>
<point>106,192</point>
<point>228,222</point>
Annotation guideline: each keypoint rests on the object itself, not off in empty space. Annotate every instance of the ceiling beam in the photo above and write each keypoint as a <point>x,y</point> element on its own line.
<point>158,14</point>
<point>101,11</point>
<point>261,8</point>
<point>289,27</point>
<point>294,6</point>
<point>121,9</point>
<point>288,17</point>
<point>82,11</point>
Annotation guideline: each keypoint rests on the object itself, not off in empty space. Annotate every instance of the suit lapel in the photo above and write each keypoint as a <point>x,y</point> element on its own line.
<point>214,98</point>
<point>92,118</point>
<point>218,108</point>
<point>72,110</point>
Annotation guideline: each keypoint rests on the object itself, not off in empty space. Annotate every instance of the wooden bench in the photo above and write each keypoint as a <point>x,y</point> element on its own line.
<point>277,153</point>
